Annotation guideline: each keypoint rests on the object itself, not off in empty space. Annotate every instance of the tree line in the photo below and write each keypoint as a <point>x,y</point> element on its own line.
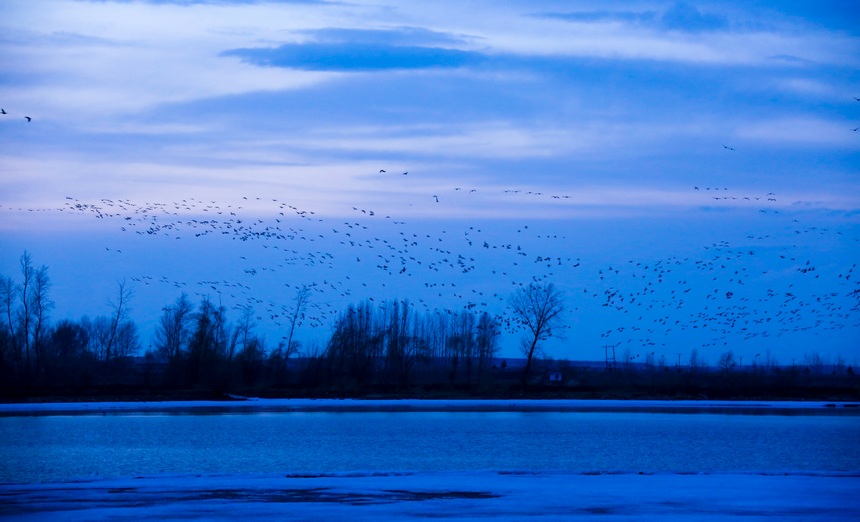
<point>374,348</point>
<point>195,345</point>
<point>33,351</point>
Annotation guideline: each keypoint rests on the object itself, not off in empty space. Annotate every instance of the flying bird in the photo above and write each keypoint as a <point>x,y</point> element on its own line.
<point>727,147</point>
<point>381,171</point>
<point>28,118</point>
<point>436,198</point>
<point>2,111</point>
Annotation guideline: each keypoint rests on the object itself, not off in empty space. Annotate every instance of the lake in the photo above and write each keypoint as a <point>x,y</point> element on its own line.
<point>75,445</point>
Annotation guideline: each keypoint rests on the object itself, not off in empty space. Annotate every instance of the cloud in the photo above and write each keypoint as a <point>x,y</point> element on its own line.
<point>403,36</point>
<point>801,131</point>
<point>603,16</point>
<point>684,33</point>
<point>684,17</point>
<point>216,2</point>
<point>809,87</point>
<point>360,49</point>
<point>679,17</point>
<point>481,140</point>
<point>355,57</point>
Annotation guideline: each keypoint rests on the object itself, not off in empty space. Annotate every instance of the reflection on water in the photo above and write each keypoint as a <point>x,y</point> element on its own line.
<point>67,447</point>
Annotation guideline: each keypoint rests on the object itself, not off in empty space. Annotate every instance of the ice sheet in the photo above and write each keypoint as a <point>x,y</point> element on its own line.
<point>447,495</point>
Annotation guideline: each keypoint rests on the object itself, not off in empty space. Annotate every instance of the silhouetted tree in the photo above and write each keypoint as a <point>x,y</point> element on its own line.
<point>436,334</point>
<point>98,333</point>
<point>126,339</point>
<point>726,361</point>
<point>120,307</point>
<point>487,332</point>
<point>68,360</point>
<point>302,296</point>
<point>251,358</point>
<point>814,362</point>
<point>69,340</point>
<point>461,344</point>
<point>11,342</point>
<point>171,333</point>
<point>695,363</point>
<point>25,313</point>
<point>355,346</point>
<point>31,316</point>
<point>243,333</point>
<point>41,304</point>
<point>402,345</point>
<point>538,308</point>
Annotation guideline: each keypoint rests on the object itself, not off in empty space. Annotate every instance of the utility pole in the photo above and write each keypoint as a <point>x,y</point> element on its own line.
<point>606,348</point>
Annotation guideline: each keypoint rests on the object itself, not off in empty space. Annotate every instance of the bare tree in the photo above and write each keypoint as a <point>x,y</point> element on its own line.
<point>98,333</point>
<point>8,292</point>
<point>460,344</point>
<point>538,308</point>
<point>126,340</point>
<point>814,362</point>
<point>302,297</point>
<point>770,361</point>
<point>40,304</point>
<point>356,343</point>
<point>726,361</point>
<point>171,334</point>
<point>243,333</point>
<point>120,307</point>
<point>207,339</point>
<point>487,331</point>
<point>403,347</point>
<point>24,312</point>
<point>31,316</point>
<point>694,359</point>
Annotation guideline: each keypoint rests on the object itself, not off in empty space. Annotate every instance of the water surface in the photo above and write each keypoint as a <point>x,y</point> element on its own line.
<point>77,446</point>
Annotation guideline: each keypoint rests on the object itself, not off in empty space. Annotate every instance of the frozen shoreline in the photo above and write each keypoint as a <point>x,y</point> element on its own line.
<point>251,404</point>
<point>450,495</point>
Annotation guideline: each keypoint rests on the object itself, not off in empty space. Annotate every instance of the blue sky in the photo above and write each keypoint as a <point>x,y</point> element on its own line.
<point>636,133</point>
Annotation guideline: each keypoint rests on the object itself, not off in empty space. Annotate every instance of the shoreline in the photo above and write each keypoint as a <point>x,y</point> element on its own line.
<point>258,405</point>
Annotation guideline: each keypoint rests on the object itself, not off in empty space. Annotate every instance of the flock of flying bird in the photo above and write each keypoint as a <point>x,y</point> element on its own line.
<point>663,305</point>
<point>657,305</point>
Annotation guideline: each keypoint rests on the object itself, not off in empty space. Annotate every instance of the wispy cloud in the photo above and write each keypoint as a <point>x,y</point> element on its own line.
<point>354,57</point>
<point>677,17</point>
<point>801,131</point>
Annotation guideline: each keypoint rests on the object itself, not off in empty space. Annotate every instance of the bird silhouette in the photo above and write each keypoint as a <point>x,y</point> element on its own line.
<point>727,147</point>
<point>28,118</point>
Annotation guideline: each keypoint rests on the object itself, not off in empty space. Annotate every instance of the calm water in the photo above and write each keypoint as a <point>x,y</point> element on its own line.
<point>68,447</point>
